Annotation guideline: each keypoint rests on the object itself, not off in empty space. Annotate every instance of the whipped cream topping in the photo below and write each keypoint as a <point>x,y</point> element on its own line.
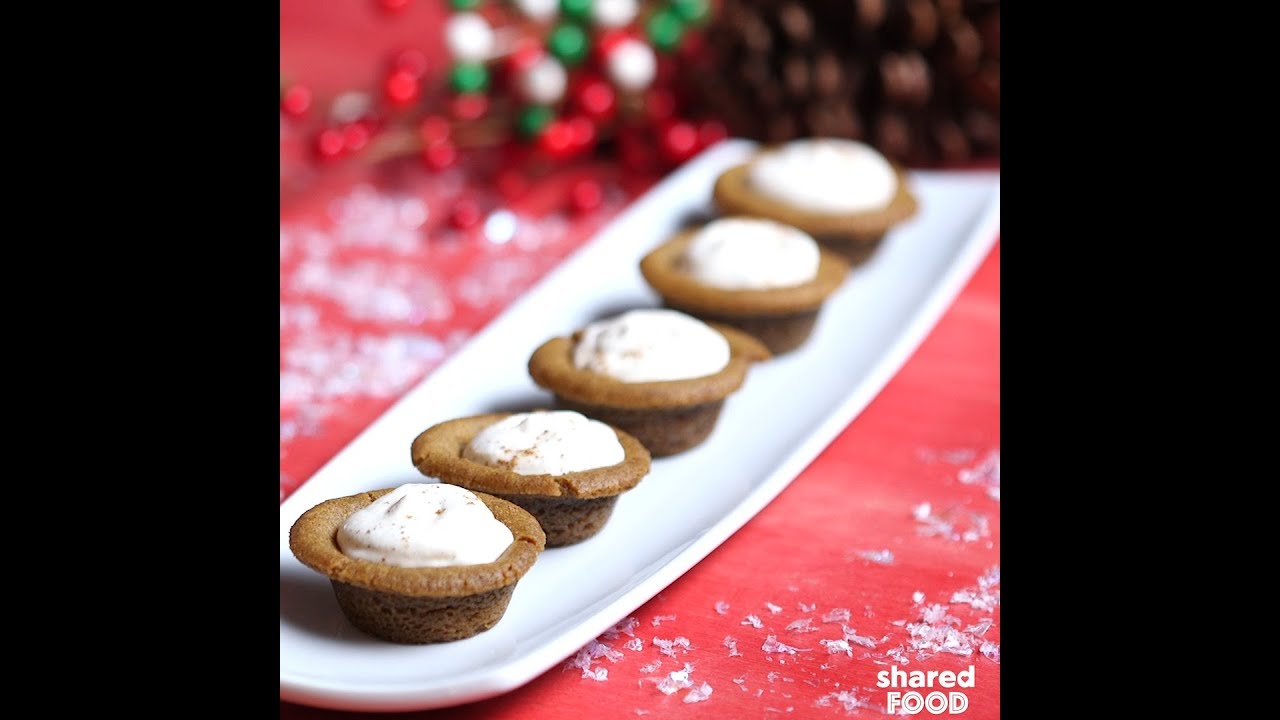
<point>826,175</point>
<point>751,254</point>
<point>425,525</point>
<point>651,345</point>
<point>552,443</point>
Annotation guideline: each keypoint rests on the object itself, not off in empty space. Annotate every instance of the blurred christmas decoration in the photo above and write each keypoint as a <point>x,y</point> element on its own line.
<point>919,79</point>
<point>540,82</point>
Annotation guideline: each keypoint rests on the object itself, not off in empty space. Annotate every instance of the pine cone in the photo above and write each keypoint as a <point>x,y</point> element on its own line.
<point>919,79</point>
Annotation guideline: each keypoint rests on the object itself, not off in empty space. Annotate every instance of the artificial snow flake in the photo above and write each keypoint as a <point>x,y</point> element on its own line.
<point>990,578</point>
<point>677,680</point>
<point>981,600</point>
<point>956,523</point>
<point>802,625</point>
<point>880,557</point>
<point>956,457</point>
<point>852,636</point>
<point>837,615</point>
<point>732,644</point>
<point>837,646</point>
<point>980,628</point>
<point>771,645</point>
<point>985,473</point>
<point>668,647</point>
<point>934,614</point>
<point>846,699</point>
<point>698,694</point>
<point>990,650</point>
<point>593,650</point>
<point>626,626</point>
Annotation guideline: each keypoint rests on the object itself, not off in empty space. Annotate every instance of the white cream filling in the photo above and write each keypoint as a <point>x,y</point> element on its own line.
<point>425,525</point>
<point>651,345</point>
<point>751,254</point>
<point>826,175</point>
<point>550,443</point>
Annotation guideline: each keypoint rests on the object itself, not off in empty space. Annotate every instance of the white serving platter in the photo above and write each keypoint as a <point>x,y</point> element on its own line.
<point>786,413</point>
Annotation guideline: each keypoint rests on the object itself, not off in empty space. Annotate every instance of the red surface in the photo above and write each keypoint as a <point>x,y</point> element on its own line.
<point>858,495</point>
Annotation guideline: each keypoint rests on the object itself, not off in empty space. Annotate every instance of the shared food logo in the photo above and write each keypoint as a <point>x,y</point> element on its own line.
<point>935,702</point>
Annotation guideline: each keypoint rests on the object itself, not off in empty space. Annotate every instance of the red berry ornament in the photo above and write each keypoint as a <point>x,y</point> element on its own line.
<point>525,56</point>
<point>440,155</point>
<point>354,137</point>
<point>296,101</point>
<point>469,106</point>
<point>466,215</point>
<point>411,61</point>
<point>402,88</point>
<point>678,141</point>
<point>583,132</point>
<point>512,184</point>
<point>433,129</point>
<point>585,196</point>
<point>596,99</point>
<point>609,41</point>
<point>330,143</point>
<point>557,140</point>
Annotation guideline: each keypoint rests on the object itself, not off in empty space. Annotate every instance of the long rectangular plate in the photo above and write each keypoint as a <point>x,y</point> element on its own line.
<point>786,413</point>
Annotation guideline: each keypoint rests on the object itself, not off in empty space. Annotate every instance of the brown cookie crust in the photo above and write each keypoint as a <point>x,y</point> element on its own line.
<point>437,452</point>
<point>420,620</point>
<point>567,520</point>
<point>734,195</point>
<point>663,271</point>
<point>313,540</point>
<point>551,367</point>
<point>780,333</point>
<point>857,250</point>
<point>664,431</point>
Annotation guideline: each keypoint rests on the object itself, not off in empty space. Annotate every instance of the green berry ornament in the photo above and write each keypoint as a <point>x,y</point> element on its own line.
<point>665,28</point>
<point>469,77</point>
<point>533,120</point>
<point>691,11</point>
<point>568,42</point>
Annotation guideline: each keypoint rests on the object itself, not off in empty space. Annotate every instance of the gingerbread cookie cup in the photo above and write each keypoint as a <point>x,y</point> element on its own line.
<point>422,604</point>
<point>782,318</point>
<point>667,416</point>
<point>856,235</point>
<point>570,507</point>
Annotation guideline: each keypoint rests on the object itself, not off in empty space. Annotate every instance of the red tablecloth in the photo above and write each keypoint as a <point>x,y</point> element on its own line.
<point>887,545</point>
